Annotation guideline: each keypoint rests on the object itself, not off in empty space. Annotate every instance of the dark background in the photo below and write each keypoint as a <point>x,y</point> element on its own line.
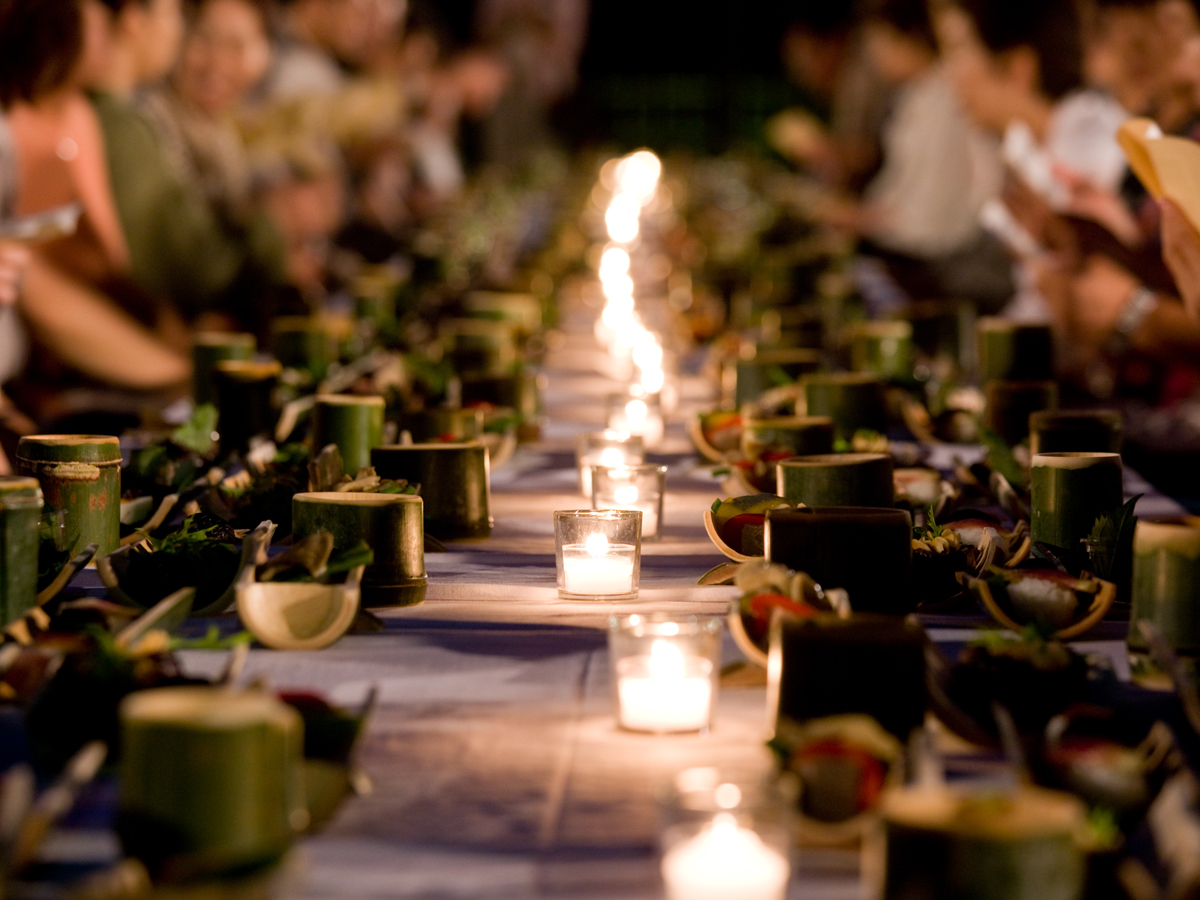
<point>669,74</point>
<point>674,75</point>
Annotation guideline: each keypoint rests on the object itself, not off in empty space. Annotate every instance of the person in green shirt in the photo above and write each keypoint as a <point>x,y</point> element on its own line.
<point>182,247</point>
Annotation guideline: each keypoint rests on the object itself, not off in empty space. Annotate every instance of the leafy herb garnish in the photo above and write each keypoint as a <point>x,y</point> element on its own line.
<point>196,434</point>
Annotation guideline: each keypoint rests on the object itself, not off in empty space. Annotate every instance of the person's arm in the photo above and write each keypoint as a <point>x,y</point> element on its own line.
<point>88,333</point>
<point>89,171</point>
<point>1111,307</point>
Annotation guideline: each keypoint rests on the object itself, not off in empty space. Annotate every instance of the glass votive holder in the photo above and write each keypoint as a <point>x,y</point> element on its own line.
<point>724,839</point>
<point>632,487</point>
<point>638,415</point>
<point>606,448</point>
<point>598,553</point>
<point>665,671</point>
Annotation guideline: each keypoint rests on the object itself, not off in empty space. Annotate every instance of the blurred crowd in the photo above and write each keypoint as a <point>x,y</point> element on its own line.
<point>231,161</point>
<point>972,147</point>
<point>234,160</point>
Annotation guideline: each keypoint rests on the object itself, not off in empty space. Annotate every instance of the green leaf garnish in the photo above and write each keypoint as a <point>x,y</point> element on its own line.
<point>212,640</point>
<point>196,434</point>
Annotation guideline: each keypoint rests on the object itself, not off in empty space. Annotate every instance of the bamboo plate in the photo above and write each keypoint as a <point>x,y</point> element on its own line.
<point>711,528</point>
<point>1100,606</point>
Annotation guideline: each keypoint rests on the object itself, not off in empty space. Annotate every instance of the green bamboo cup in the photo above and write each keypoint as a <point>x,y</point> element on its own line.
<point>1068,492</point>
<point>1019,844</point>
<point>245,401</point>
<point>210,348</point>
<point>211,779</point>
<point>1011,403</point>
<point>883,348</point>
<point>799,435</point>
<point>80,474</point>
<point>354,423</point>
<point>1013,351</point>
<point>305,343</point>
<point>454,479</point>
<point>393,527</point>
<point>769,368</point>
<point>1166,582</point>
<point>828,666</point>
<point>837,479</point>
<point>520,391</point>
<point>443,424</point>
<point>375,290</point>
<point>523,310</point>
<point>854,400</point>
<point>865,550</point>
<point>480,346</point>
<point>20,514</point>
<point>1080,430</point>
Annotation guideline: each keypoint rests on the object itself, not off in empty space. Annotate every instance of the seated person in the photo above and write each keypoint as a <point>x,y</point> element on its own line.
<point>922,207</point>
<point>58,158</point>
<point>835,132</point>
<point>202,253</point>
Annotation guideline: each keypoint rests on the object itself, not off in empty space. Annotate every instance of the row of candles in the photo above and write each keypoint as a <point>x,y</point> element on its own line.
<point>665,671</point>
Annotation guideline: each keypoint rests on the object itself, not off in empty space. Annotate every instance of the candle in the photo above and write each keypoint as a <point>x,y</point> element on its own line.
<point>638,418</point>
<point>609,456</point>
<point>598,568</point>
<point>664,691</point>
<point>725,862</point>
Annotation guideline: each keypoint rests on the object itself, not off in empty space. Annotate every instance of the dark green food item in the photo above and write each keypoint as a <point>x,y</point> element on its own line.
<point>1033,678</point>
<point>192,557</point>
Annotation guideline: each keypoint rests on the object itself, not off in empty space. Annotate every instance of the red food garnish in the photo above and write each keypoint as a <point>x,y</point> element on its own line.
<point>731,531</point>
<point>871,770</point>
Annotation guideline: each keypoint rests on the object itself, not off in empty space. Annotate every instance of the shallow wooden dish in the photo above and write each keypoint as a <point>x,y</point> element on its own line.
<point>290,616</point>
<point>1100,606</point>
<point>715,537</point>
<point>695,431</point>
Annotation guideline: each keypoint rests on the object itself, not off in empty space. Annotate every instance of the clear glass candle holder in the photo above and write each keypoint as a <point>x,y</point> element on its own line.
<point>665,671</point>
<point>632,487</point>
<point>606,448</point>
<point>724,839</point>
<point>640,414</point>
<point>598,553</point>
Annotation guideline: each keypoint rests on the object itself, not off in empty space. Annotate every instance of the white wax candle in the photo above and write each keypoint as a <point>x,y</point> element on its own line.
<point>725,862</point>
<point>664,691</point>
<point>597,568</point>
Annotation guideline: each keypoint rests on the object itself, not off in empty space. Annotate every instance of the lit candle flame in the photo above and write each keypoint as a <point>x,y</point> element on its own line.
<point>621,217</point>
<point>666,660</point>
<point>626,494</point>
<point>636,411</point>
<point>597,545</point>
<point>611,456</point>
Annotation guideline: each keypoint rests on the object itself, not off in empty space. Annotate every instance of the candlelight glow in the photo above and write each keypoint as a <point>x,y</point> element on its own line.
<point>638,174</point>
<point>636,411</point>
<point>622,218</point>
<point>653,380</point>
<point>597,545</point>
<point>626,494</point>
<point>611,457</point>
<point>613,262</point>
<point>666,660</point>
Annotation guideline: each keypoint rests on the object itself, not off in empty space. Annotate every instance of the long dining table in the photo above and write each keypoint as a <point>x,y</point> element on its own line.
<point>495,764</point>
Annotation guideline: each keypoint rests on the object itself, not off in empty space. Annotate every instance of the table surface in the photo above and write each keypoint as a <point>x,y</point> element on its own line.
<point>497,767</point>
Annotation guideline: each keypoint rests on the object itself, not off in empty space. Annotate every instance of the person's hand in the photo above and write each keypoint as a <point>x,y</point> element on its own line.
<point>1034,214</point>
<point>13,260</point>
<point>1100,206</point>
<point>1181,253</point>
<point>1099,293</point>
